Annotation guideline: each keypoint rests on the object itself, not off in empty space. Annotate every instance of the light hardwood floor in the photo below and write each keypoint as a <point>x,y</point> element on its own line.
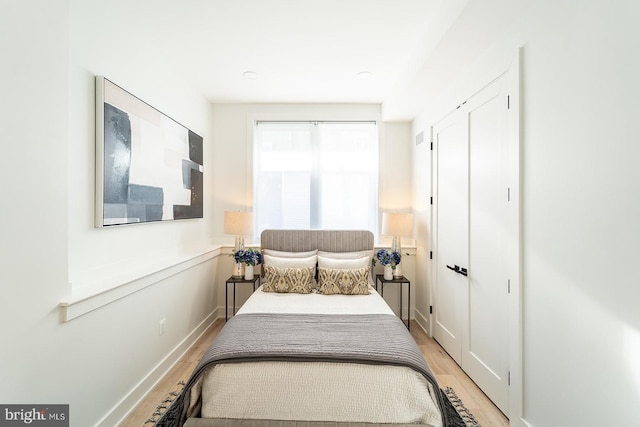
<point>443,367</point>
<point>449,374</point>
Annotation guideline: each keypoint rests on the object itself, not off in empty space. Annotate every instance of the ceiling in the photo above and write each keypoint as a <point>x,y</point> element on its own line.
<point>301,51</point>
<point>304,51</point>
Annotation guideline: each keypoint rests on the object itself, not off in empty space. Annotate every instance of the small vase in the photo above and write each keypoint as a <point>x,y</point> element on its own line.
<point>248,272</point>
<point>397,273</point>
<point>238,269</point>
<point>388,272</point>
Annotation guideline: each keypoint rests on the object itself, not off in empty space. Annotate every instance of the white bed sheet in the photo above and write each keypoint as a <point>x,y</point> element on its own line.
<point>271,302</point>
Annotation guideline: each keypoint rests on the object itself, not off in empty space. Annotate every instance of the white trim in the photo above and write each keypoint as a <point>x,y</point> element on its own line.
<point>516,390</point>
<point>431,276</point>
<point>423,321</point>
<point>92,295</point>
<point>127,404</point>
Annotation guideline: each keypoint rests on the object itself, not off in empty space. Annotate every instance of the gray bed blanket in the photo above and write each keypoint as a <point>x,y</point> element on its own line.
<point>354,338</point>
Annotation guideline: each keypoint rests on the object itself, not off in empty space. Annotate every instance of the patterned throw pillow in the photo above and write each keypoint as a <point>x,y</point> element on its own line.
<point>343,281</point>
<point>288,279</point>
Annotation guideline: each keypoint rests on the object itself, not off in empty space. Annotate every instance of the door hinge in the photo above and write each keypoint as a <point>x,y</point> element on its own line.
<point>508,102</point>
<point>431,146</point>
<point>509,286</point>
<point>431,200</point>
<point>509,378</point>
<point>430,254</point>
<point>508,194</point>
<point>430,309</point>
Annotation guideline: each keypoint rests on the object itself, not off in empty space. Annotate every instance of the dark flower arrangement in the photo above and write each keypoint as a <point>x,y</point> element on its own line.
<point>387,258</point>
<point>249,256</point>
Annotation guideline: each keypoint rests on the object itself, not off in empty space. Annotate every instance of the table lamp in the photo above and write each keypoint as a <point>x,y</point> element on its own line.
<point>239,224</point>
<point>397,225</point>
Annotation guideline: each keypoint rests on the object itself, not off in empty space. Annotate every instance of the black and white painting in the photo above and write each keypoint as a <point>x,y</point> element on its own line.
<point>148,166</point>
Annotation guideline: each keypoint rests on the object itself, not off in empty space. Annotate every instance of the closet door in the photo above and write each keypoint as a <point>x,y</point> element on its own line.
<point>451,234</point>
<point>485,346</point>
<point>471,275</point>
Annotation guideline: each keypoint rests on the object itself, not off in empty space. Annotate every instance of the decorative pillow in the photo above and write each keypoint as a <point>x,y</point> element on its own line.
<point>273,261</point>
<point>288,279</point>
<point>283,254</point>
<point>346,263</point>
<point>343,281</point>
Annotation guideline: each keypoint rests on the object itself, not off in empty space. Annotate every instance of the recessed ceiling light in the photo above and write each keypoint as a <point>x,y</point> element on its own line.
<point>364,75</point>
<point>251,75</point>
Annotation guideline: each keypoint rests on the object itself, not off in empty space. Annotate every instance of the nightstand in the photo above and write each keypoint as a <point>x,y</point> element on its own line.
<point>236,280</point>
<point>400,281</point>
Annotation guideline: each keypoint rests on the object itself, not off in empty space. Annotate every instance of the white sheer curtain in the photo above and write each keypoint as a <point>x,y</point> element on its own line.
<point>316,175</point>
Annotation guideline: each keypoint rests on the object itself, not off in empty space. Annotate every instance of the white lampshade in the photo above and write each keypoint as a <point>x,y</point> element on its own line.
<point>397,224</point>
<point>238,223</point>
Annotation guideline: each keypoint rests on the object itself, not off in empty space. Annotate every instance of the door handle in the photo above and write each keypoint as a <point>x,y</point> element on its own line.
<point>459,270</point>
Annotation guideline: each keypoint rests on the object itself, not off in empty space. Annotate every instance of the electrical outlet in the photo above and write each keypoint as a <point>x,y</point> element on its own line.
<point>162,327</point>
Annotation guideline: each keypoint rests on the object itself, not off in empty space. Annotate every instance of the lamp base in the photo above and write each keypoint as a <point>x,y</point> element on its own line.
<point>396,246</point>
<point>239,241</point>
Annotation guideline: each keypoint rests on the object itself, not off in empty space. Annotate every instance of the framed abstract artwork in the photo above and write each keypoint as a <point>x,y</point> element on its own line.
<point>148,166</point>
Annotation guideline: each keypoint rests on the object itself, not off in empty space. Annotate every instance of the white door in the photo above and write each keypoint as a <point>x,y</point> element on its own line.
<point>471,274</point>
<point>451,212</point>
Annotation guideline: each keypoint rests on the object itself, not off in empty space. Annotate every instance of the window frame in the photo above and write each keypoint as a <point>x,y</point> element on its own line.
<point>252,124</point>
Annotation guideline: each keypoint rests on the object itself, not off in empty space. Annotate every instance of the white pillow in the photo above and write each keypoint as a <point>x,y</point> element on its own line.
<point>290,262</point>
<point>283,254</point>
<point>343,255</point>
<point>344,263</point>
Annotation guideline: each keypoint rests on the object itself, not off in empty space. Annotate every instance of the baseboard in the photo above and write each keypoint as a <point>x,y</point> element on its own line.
<point>422,321</point>
<point>522,422</point>
<point>128,403</point>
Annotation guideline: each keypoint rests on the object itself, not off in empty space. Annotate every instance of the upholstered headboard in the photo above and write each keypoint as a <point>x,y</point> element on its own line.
<point>323,240</point>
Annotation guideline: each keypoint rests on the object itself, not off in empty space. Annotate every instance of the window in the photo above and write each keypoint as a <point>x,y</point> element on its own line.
<point>316,175</point>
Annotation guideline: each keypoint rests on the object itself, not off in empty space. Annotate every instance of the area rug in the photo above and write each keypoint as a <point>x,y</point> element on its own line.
<point>161,416</point>
<point>457,414</point>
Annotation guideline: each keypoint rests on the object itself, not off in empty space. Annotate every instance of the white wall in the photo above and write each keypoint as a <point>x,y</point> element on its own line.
<point>580,203</point>
<point>396,166</point>
<point>33,261</point>
<point>49,245</point>
<point>128,57</point>
<point>233,148</point>
<point>421,178</point>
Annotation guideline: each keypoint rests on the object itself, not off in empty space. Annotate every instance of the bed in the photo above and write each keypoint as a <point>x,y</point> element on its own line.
<point>332,355</point>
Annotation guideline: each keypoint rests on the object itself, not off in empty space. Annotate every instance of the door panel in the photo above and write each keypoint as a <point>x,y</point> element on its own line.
<point>452,236</point>
<point>485,345</point>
